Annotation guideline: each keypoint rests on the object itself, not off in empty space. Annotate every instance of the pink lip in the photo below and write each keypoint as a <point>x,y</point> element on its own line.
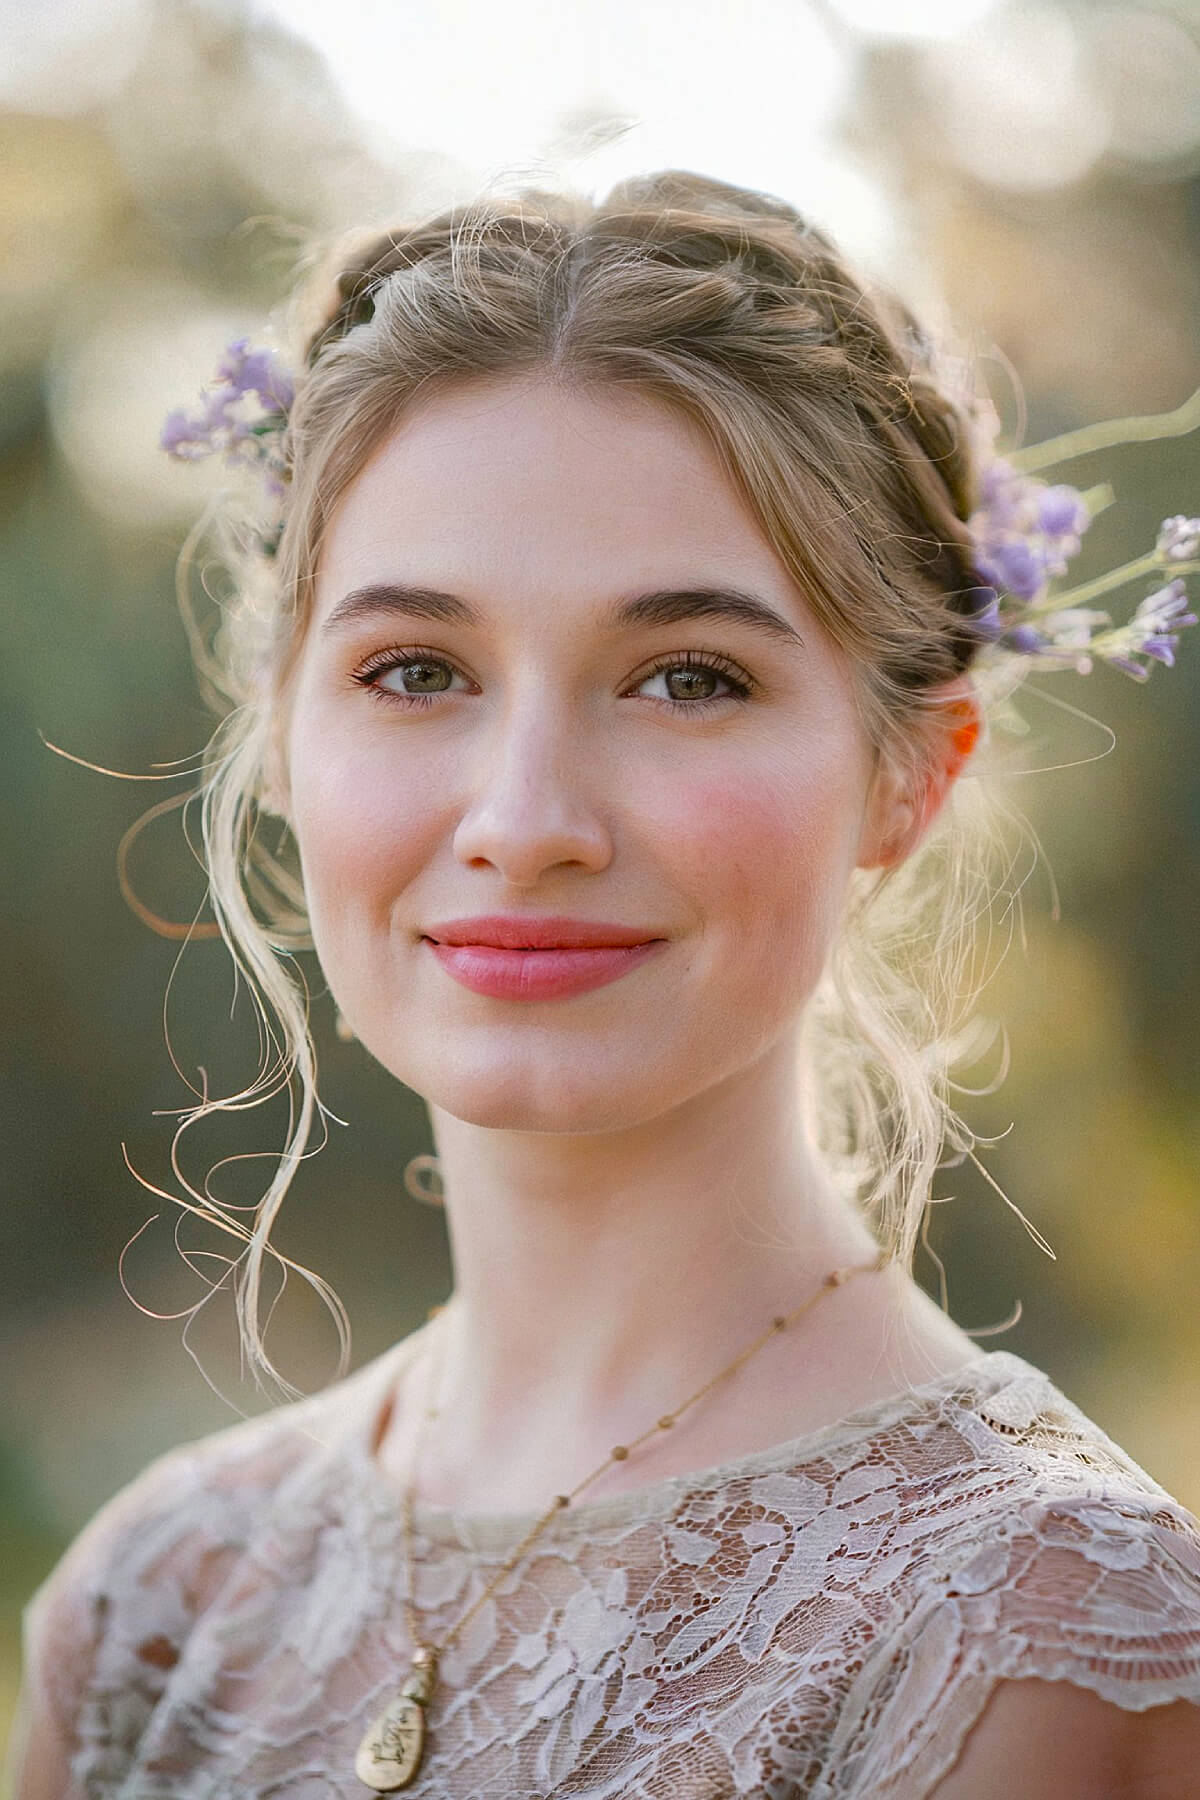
<point>538,974</point>
<point>538,931</point>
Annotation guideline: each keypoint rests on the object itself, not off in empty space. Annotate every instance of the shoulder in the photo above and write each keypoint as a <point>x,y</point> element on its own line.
<point>111,1619</point>
<point>1051,1741</point>
<point>1004,1458</point>
<point>1071,1562</point>
<point>1053,1593</point>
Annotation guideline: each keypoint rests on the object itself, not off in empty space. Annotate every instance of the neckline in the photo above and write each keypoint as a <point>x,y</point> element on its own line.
<point>979,1376</point>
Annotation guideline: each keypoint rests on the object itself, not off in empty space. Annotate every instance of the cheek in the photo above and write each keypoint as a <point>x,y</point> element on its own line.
<point>768,860</point>
<point>362,836</point>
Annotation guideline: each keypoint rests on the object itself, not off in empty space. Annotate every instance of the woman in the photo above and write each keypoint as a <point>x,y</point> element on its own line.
<point>611,656</point>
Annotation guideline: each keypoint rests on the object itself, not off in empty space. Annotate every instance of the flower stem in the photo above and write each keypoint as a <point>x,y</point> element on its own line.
<point>1141,428</point>
<point>1097,498</point>
<point>1088,590</point>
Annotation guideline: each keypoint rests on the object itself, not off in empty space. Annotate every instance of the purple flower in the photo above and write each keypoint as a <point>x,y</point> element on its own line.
<point>258,372</point>
<point>222,424</point>
<point>183,437</point>
<point>248,434</point>
<point>1153,631</point>
<point>982,607</point>
<point>1139,671</point>
<point>999,485</point>
<point>1165,606</point>
<point>1062,511</point>
<point>1024,531</point>
<point>1178,539</point>
<point>1018,566</point>
<point>1023,638</point>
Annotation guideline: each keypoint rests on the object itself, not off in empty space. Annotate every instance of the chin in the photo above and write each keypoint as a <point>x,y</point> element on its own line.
<point>545,1094</point>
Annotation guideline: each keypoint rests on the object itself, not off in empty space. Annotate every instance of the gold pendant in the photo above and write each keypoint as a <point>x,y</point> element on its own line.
<point>390,1753</point>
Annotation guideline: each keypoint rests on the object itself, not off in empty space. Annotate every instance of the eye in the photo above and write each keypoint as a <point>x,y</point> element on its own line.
<point>700,670</point>
<point>425,675</point>
<point>431,674</point>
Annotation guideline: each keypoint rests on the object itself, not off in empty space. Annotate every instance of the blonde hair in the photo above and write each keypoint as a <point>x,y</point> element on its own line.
<point>820,396</point>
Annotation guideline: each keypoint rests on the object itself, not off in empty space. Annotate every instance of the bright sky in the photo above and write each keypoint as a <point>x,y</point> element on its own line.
<point>745,89</point>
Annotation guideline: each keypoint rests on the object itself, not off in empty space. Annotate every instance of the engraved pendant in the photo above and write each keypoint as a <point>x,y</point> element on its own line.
<point>390,1754</point>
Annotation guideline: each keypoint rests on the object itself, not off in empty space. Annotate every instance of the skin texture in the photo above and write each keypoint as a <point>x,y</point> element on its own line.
<point>1046,1740</point>
<point>630,1195</point>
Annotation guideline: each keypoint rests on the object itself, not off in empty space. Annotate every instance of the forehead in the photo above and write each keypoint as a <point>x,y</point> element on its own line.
<point>519,479</point>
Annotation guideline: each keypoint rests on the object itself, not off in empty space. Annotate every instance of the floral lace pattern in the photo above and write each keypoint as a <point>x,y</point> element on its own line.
<point>824,1618</point>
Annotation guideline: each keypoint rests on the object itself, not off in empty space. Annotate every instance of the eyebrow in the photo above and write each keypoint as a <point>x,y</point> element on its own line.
<point>663,606</point>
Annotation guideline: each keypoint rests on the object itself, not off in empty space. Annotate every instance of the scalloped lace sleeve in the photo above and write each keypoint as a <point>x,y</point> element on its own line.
<point>1100,1589</point>
<point>67,1639</point>
<point>107,1627</point>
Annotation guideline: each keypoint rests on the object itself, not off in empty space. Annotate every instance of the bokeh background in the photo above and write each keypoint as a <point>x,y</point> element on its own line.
<point>1029,172</point>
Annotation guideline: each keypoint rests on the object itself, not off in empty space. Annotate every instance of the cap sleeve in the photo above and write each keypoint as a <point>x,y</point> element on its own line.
<point>1101,1590</point>
<point>109,1624</point>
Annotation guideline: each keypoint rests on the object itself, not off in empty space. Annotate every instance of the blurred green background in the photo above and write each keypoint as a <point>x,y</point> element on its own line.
<point>1031,172</point>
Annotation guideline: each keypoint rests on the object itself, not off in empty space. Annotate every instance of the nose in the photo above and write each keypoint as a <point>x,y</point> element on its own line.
<point>530,809</point>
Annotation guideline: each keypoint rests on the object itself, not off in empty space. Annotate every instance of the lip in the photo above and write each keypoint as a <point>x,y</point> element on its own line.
<point>542,931</point>
<point>538,974</point>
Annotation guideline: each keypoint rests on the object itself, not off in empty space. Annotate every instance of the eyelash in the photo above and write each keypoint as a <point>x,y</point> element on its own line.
<point>367,675</point>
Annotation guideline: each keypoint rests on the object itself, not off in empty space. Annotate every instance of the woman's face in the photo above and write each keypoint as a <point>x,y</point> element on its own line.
<point>520,748</point>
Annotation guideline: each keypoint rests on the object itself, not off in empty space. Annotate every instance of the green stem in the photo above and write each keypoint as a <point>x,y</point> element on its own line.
<point>1097,498</point>
<point>1141,428</point>
<point>1088,590</point>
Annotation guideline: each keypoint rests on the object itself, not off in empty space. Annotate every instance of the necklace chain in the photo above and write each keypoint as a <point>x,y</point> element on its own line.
<point>390,1753</point>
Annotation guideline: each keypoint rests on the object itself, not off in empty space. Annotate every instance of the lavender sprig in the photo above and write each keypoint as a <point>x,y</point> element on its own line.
<point>243,416</point>
<point>1025,533</point>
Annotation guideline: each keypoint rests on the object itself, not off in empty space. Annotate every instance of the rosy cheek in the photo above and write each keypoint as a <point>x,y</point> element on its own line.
<point>752,824</point>
<point>359,831</point>
<point>765,858</point>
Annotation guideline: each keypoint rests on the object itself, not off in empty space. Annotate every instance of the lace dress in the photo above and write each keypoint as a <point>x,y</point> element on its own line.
<point>826,1617</point>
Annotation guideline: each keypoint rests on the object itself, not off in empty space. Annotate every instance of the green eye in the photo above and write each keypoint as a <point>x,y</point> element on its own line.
<point>439,673</point>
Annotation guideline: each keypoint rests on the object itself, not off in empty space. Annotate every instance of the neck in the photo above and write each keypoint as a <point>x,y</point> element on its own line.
<point>600,1279</point>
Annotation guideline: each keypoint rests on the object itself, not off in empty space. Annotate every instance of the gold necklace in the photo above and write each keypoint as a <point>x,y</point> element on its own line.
<point>391,1750</point>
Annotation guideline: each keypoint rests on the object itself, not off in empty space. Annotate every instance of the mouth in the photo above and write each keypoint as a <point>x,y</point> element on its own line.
<point>532,949</point>
<point>539,934</point>
<point>539,972</point>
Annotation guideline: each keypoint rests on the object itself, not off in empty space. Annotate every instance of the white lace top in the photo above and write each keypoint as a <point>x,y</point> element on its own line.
<point>823,1618</point>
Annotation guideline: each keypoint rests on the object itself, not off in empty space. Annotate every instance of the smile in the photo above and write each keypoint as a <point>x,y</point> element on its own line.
<point>551,974</point>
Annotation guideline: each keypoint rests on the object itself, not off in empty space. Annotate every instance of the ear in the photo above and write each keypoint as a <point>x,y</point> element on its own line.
<point>903,803</point>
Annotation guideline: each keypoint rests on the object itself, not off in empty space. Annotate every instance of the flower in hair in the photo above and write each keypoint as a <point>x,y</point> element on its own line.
<point>1025,533</point>
<point>243,416</point>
